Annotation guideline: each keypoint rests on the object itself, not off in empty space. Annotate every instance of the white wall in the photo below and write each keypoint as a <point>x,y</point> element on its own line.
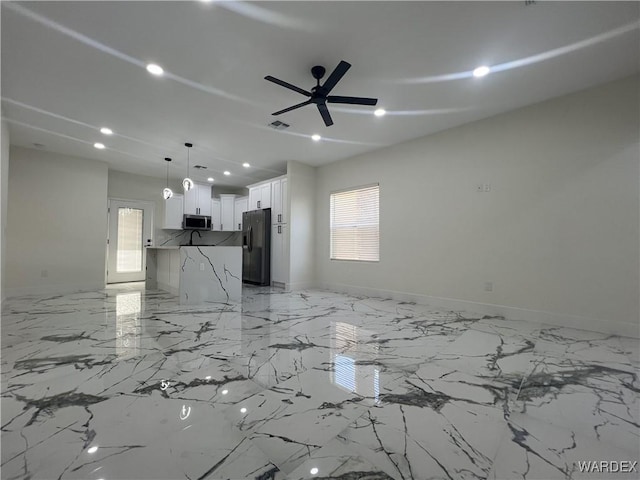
<point>558,234</point>
<point>301,181</point>
<point>4,191</point>
<point>56,223</point>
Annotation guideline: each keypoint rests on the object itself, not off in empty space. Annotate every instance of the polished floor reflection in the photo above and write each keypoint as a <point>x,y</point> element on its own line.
<point>127,384</point>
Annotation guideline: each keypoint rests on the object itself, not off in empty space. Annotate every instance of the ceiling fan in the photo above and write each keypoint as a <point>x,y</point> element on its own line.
<point>320,93</point>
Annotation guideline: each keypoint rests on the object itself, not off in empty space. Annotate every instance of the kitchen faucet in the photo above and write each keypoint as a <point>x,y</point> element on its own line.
<point>191,237</point>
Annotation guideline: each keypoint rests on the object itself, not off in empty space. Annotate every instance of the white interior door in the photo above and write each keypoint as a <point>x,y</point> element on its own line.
<point>130,229</point>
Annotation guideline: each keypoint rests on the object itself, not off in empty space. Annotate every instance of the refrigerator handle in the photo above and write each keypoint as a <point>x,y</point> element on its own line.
<point>250,235</point>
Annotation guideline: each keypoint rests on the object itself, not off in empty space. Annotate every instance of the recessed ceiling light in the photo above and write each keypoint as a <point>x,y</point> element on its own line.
<point>246,165</point>
<point>210,179</point>
<point>92,450</point>
<point>208,377</point>
<point>99,146</point>
<point>380,112</point>
<point>227,172</point>
<point>106,131</point>
<point>224,392</point>
<point>315,137</point>
<point>243,410</point>
<point>481,71</point>
<point>313,471</point>
<point>155,69</point>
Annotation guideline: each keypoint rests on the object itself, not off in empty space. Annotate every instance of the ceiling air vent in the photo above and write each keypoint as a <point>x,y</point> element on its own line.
<point>200,167</point>
<point>278,125</point>
<point>529,2</point>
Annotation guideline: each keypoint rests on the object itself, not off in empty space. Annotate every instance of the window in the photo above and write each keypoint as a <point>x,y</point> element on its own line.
<point>354,224</point>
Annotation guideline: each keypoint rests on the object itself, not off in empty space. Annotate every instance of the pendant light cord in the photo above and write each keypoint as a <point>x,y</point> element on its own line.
<point>188,145</point>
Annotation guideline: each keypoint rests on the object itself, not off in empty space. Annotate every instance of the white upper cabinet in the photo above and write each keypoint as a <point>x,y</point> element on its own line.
<point>216,217</point>
<point>173,212</point>
<point>279,201</point>
<point>197,201</point>
<point>204,200</point>
<point>260,196</point>
<point>227,206</point>
<point>241,206</point>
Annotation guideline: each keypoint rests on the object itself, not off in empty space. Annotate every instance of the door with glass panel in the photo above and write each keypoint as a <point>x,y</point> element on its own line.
<point>130,229</point>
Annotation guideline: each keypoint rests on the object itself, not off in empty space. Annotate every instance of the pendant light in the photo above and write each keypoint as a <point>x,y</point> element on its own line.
<point>187,183</point>
<point>167,193</point>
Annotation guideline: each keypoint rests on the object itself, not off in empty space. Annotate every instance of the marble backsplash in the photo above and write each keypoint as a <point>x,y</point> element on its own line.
<point>180,237</point>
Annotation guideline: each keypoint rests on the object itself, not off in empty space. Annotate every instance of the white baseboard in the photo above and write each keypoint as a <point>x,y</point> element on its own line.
<point>168,288</point>
<point>512,313</point>
<point>57,289</point>
<point>300,286</point>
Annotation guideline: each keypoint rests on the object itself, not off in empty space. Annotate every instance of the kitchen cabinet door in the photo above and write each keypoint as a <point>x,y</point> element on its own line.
<point>265,195</point>
<point>191,202</point>
<point>227,206</point>
<point>197,201</point>
<point>279,255</point>
<point>276,202</point>
<point>215,214</point>
<point>254,198</point>
<point>173,213</point>
<point>241,206</point>
<point>204,199</point>
<point>260,196</point>
<point>279,201</point>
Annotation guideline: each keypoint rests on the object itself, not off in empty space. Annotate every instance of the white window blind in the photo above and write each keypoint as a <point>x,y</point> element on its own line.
<point>354,224</point>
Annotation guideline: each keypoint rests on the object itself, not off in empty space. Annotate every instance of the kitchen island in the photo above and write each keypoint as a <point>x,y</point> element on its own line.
<point>197,274</point>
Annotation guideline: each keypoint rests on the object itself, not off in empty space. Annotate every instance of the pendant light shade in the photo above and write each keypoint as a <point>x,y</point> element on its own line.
<point>187,183</point>
<point>167,193</point>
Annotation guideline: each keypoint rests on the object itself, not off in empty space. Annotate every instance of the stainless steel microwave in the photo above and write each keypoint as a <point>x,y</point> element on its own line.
<point>196,222</point>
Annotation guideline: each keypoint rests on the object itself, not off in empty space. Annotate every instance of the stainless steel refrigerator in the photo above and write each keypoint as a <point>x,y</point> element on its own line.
<point>256,247</point>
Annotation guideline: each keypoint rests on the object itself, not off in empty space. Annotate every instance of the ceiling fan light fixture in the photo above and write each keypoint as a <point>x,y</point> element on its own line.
<point>481,71</point>
<point>187,183</point>
<point>319,95</point>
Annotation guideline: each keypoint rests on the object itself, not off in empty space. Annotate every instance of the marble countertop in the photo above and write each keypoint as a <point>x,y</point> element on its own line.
<point>176,247</point>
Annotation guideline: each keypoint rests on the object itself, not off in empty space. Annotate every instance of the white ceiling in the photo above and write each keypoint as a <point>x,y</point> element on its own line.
<point>69,68</point>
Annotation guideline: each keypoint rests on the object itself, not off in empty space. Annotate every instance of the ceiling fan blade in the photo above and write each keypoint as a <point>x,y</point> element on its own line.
<point>336,75</point>
<point>324,111</point>
<point>284,84</point>
<point>292,108</point>
<point>352,100</point>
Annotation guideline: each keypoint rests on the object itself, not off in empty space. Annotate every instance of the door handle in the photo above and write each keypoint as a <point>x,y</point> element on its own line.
<point>239,227</point>
<point>279,228</point>
<point>279,217</point>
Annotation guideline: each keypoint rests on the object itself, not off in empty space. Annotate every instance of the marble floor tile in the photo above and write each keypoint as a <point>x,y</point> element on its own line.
<point>337,461</point>
<point>125,383</point>
<point>534,449</point>
<point>588,396</point>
